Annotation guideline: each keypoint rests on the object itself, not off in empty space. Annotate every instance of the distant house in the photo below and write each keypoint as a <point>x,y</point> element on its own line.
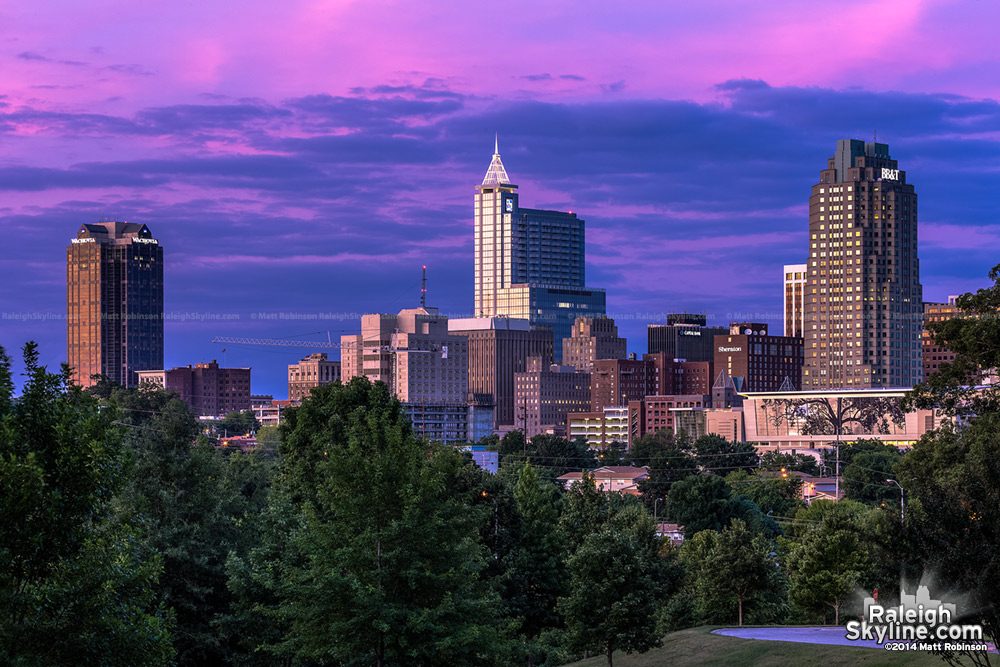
<point>242,443</point>
<point>611,478</point>
<point>672,531</point>
<point>820,488</point>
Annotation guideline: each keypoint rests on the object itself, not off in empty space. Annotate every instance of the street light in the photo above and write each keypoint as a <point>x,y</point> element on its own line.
<point>902,507</point>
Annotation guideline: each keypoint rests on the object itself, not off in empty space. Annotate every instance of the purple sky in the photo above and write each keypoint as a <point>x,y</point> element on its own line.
<point>308,157</point>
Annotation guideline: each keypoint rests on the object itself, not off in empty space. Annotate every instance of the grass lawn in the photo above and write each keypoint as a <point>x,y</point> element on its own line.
<point>698,646</point>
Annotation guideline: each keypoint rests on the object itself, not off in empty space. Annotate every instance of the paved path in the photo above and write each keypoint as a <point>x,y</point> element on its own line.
<point>820,635</point>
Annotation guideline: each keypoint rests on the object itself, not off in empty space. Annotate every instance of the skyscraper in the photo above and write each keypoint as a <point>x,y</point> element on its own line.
<point>423,365</point>
<point>114,302</point>
<point>529,263</point>
<point>794,299</point>
<point>687,339</point>
<point>863,301</point>
<point>499,347</point>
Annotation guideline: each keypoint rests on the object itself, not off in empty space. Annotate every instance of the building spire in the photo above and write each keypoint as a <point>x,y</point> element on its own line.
<point>496,174</point>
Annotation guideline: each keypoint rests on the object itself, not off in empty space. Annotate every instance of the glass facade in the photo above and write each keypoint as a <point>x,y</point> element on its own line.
<point>529,263</point>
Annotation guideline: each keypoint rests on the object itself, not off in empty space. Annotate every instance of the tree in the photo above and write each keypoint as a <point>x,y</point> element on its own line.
<point>952,481</point>
<point>195,503</point>
<point>952,475</point>
<point>700,502</point>
<point>535,580</point>
<point>734,571</point>
<point>668,460</point>
<point>706,502</point>
<point>962,388</point>
<point>74,587</point>
<point>718,456</point>
<point>771,491</point>
<point>553,455</point>
<point>612,602</point>
<point>585,511</point>
<point>237,423</point>
<point>386,562</point>
<point>830,557</point>
<point>865,477</point>
<point>268,437</point>
<point>843,416</point>
<point>615,454</point>
<point>776,460</point>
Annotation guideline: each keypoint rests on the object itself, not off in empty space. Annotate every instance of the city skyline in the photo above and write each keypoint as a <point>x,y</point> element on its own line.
<point>325,192</point>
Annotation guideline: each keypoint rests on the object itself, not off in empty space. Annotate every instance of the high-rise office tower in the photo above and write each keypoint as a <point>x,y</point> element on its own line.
<point>499,347</point>
<point>593,338</point>
<point>423,365</point>
<point>114,302</point>
<point>863,301</point>
<point>529,263</point>
<point>794,303</point>
<point>689,339</point>
<point>412,353</point>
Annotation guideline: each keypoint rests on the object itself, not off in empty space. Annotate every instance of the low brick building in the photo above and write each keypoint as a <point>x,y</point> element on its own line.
<point>208,390</point>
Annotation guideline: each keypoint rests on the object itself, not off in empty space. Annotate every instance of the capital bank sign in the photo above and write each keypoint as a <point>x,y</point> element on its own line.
<point>695,332</point>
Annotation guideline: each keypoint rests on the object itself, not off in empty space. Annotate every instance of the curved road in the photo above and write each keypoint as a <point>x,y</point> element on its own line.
<point>816,635</point>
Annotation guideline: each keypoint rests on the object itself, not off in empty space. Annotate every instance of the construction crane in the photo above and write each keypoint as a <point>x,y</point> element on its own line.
<point>329,344</point>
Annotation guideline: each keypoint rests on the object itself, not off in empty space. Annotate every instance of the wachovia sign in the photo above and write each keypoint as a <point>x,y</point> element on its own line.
<point>918,623</point>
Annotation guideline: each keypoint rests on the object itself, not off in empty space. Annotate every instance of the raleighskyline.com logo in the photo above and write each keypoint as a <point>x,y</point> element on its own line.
<point>917,624</point>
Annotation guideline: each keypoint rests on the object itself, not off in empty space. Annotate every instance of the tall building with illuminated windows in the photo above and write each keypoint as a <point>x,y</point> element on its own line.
<point>530,263</point>
<point>114,302</point>
<point>794,299</point>
<point>863,301</point>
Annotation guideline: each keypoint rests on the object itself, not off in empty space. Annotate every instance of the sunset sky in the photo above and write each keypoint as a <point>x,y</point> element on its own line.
<point>309,157</point>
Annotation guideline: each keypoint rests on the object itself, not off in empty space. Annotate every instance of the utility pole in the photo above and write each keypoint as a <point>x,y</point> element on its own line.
<point>902,507</point>
<point>839,422</point>
<point>524,425</point>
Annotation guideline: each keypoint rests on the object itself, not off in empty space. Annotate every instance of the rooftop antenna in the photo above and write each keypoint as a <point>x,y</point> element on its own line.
<point>423,287</point>
<point>496,143</point>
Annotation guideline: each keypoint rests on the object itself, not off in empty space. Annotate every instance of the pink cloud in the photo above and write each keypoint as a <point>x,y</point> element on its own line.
<point>656,49</point>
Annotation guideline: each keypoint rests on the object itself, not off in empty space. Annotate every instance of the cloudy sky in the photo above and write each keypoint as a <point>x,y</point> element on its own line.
<point>307,157</point>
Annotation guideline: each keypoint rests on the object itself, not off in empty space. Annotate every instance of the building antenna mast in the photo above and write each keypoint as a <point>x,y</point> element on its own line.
<point>423,287</point>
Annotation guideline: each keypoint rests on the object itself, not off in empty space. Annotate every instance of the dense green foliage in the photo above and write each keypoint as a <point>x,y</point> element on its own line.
<point>556,455</point>
<point>775,460</point>
<point>237,423</point>
<point>127,537</point>
<point>733,576</point>
<point>952,475</point>
<point>75,585</point>
<point>773,491</point>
